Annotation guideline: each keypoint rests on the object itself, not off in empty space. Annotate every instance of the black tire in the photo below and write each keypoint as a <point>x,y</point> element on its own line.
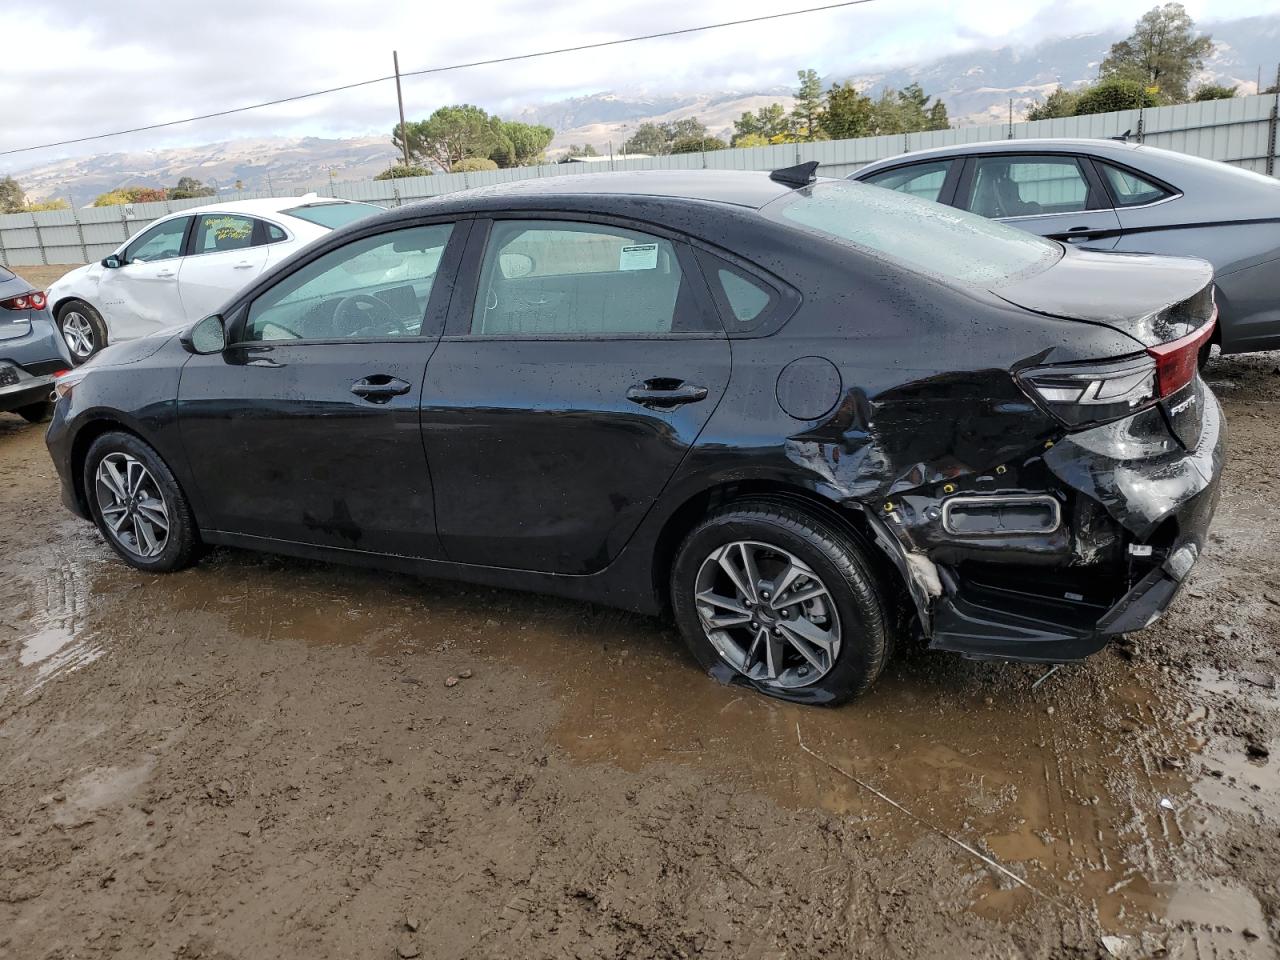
<point>863,608</point>
<point>73,311</point>
<point>36,412</point>
<point>182,541</point>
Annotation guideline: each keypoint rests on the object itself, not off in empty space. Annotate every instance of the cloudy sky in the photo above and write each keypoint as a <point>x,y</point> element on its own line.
<point>72,68</point>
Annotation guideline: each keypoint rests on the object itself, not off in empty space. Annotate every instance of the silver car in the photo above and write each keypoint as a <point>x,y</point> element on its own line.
<point>32,353</point>
<point>1111,195</point>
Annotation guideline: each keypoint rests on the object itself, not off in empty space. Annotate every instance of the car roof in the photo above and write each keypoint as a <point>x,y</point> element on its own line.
<point>739,188</point>
<point>262,206</point>
<point>1118,149</point>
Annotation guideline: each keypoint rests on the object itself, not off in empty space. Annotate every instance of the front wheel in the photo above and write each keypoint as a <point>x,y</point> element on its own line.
<point>138,505</point>
<point>82,328</point>
<point>783,600</point>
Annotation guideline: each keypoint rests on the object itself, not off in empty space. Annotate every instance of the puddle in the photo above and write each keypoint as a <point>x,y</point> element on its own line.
<point>1062,785</point>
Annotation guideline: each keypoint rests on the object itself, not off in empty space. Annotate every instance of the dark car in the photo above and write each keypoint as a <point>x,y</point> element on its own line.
<point>1112,195</point>
<point>796,413</point>
<point>32,353</point>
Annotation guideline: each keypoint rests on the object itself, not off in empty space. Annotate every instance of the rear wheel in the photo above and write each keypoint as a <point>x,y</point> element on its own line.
<point>784,600</point>
<point>36,412</point>
<point>82,328</point>
<point>138,505</point>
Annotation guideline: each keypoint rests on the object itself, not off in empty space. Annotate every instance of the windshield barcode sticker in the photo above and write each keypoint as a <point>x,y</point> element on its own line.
<point>639,256</point>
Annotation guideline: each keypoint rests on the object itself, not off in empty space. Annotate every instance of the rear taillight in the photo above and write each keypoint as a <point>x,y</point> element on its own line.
<point>35,300</point>
<point>1176,361</point>
<point>1081,394</point>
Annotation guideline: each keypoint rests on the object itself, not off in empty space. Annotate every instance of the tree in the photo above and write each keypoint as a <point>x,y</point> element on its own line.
<point>12,197</point>
<point>447,136</point>
<point>771,123</point>
<point>1163,52</point>
<point>807,111</point>
<point>697,144</point>
<point>1060,103</point>
<point>576,151</point>
<point>648,138</point>
<point>750,140</point>
<point>1117,93</point>
<point>189,187</point>
<point>398,171</point>
<point>123,195</point>
<point>1212,91</point>
<point>57,203</point>
<point>847,113</point>
<point>473,165</point>
<point>519,144</point>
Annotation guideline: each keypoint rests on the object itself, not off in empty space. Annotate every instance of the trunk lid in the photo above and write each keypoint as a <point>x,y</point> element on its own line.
<point>1152,299</point>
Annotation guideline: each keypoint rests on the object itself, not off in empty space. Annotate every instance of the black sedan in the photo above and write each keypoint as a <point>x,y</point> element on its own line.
<point>1112,195</point>
<point>802,415</point>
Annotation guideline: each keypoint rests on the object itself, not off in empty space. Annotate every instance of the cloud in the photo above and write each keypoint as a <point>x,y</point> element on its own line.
<point>75,68</point>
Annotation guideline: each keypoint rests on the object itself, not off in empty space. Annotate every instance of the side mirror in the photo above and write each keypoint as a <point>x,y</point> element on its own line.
<point>207,336</point>
<point>112,262</point>
<point>515,265</point>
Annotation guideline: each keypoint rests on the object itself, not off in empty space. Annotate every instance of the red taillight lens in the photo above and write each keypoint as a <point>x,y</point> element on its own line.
<point>35,300</point>
<point>1176,360</point>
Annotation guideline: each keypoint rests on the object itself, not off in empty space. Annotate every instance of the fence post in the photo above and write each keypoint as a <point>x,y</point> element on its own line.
<point>84,249</point>
<point>1142,120</point>
<point>3,259</point>
<point>1271,128</point>
<point>44,258</point>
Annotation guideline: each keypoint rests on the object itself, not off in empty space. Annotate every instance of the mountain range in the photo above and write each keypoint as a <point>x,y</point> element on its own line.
<point>977,87</point>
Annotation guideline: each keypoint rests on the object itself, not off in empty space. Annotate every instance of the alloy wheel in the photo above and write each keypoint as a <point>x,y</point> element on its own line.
<point>133,508</point>
<point>78,332</point>
<point>767,613</point>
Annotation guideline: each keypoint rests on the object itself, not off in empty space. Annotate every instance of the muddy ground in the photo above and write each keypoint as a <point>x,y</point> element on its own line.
<point>261,757</point>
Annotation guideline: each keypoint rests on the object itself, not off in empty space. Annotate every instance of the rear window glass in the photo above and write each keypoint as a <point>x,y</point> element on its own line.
<point>333,215</point>
<point>5,275</point>
<point>923,236</point>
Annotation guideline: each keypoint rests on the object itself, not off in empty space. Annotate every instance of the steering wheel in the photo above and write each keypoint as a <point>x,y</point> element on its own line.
<point>363,313</point>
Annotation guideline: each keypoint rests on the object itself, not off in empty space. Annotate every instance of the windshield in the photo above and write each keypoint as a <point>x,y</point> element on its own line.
<point>924,236</point>
<point>333,215</point>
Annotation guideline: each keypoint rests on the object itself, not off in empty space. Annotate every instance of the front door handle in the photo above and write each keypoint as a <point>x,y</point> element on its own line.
<point>663,392</point>
<point>244,265</point>
<point>380,388</point>
<point>165,274</point>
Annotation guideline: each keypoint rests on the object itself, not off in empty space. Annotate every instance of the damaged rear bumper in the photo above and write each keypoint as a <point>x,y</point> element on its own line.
<point>1136,505</point>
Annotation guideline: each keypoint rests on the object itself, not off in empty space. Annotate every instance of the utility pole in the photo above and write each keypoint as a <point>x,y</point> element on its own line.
<point>1011,118</point>
<point>404,136</point>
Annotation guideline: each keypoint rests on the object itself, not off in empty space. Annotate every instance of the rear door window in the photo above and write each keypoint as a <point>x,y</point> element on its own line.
<point>556,278</point>
<point>219,232</point>
<point>1029,186</point>
<point>923,180</point>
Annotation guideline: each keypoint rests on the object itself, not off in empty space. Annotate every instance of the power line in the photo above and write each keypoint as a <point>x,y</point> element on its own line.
<point>431,70</point>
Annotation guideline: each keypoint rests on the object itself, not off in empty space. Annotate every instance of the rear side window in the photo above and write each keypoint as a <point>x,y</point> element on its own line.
<point>554,278</point>
<point>333,215</point>
<point>275,234</point>
<point>926,237</point>
<point>217,232</point>
<point>1028,186</point>
<point>5,275</point>
<point>747,303</point>
<point>923,180</point>
<point>1129,189</point>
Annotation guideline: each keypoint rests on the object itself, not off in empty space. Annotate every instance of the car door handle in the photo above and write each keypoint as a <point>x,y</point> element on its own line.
<point>244,265</point>
<point>662,392</point>
<point>165,274</point>
<point>380,388</point>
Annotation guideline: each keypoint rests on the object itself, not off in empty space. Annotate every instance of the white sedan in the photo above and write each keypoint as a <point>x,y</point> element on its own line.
<point>186,265</point>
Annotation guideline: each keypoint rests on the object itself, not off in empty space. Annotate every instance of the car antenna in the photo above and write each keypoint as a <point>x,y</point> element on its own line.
<point>1124,137</point>
<point>801,175</point>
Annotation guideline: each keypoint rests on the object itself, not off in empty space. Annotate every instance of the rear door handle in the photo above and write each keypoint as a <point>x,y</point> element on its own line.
<point>664,392</point>
<point>243,265</point>
<point>165,274</point>
<point>380,388</point>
